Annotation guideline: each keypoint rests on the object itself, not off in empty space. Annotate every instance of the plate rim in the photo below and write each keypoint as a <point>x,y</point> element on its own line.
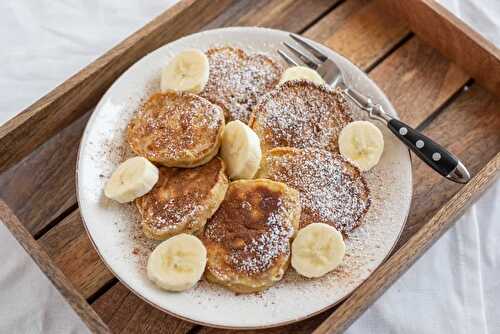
<point>202,323</point>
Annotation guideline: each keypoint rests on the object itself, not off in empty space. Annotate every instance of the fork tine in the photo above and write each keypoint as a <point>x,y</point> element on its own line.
<point>309,47</point>
<point>308,61</point>
<point>287,58</point>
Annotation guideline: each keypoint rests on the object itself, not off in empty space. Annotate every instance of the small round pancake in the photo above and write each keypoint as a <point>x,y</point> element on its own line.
<point>300,114</point>
<point>182,200</point>
<point>176,129</point>
<point>237,80</point>
<point>332,190</point>
<point>248,238</point>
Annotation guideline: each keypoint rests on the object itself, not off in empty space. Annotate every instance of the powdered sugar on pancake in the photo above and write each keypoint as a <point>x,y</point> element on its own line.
<point>237,80</point>
<point>332,191</point>
<point>300,114</point>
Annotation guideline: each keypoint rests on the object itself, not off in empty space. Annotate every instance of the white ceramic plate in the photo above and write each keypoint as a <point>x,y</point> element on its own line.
<point>113,227</point>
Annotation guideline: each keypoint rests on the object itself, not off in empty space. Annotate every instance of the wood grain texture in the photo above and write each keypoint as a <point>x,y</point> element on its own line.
<point>417,80</point>
<point>42,259</point>
<point>469,127</point>
<point>41,187</point>
<point>400,261</point>
<point>289,15</point>
<point>455,39</point>
<point>359,30</point>
<point>79,93</point>
<point>124,312</point>
<point>71,249</point>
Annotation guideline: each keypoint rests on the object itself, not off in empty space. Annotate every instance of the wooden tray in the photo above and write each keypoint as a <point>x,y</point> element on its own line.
<point>38,147</point>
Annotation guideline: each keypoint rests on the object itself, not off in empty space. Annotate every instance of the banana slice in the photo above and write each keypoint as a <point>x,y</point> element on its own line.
<point>187,72</point>
<point>317,249</point>
<point>301,73</point>
<point>133,178</point>
<point>240,150</point>
<point>177,263</point>
<point>362,144</point>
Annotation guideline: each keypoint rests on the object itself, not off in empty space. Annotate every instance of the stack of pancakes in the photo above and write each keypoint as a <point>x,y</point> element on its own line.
<point>247,225</point>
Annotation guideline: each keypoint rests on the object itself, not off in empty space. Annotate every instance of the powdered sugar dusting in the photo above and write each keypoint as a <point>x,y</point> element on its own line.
<point>238,80</point>
<point>175,126</point>
<point>332,190</point>
<point>252,244</point>
<point>300,114</point>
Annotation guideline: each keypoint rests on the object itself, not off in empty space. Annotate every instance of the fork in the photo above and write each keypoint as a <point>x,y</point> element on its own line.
<point>433,154</point>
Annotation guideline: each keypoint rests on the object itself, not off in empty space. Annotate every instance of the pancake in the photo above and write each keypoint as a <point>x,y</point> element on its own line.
<point>182,200</point>
<point>248,238</point>
<point>176,130</point>
<point>332,190</point>
<point>300,114</point>
<point>237,80</point>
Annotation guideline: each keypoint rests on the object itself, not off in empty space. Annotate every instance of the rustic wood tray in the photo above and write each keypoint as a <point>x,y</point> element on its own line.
<point>38,147</point>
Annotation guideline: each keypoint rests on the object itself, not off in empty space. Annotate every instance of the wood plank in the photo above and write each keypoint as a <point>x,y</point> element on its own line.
<point>455,39</point>
<point>417,80</point>
<point>289,15</point>
<point>72,251</point>
<point>42,186</point>
<point>360,30</point>
<point>53,273</point>
<point>81,92</point>
<point>124,312</point>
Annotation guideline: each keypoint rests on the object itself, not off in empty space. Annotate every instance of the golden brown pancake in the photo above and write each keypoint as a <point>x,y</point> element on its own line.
<point>248,238</point>
<point>332,190</point>
<point>182,200</point>
<point>300,114</point>
<point>176,129</point>
<point>237,80</point>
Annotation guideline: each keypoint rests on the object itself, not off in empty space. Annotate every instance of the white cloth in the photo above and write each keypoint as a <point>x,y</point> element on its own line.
<point>29,303</point>
<point>453,288</point>
<point>482,15</point>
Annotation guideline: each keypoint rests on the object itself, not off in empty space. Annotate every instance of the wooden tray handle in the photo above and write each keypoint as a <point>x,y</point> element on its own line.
<point>42,259</point>
<point>401,260</point>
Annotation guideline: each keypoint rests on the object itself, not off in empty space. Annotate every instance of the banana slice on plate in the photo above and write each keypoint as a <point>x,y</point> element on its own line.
<point>318,249</point>
<point>133,178</point>
<point>186,72</point>
<point>362,143</point>
<point>240,150</point>
<point>177,263</point>
<point>301,73</point>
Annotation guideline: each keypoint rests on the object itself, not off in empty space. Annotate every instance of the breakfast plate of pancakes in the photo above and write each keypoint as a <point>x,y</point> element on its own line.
<point>298,124</point>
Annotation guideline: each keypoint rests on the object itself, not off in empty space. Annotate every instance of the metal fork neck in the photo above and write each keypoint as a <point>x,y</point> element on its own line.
<point>375,110</point>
